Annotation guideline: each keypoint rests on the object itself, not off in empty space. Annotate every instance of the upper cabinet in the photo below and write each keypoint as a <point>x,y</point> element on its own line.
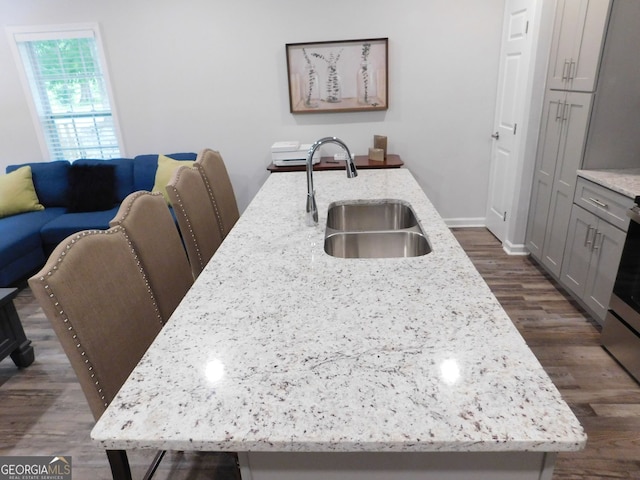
<point>578,36</point>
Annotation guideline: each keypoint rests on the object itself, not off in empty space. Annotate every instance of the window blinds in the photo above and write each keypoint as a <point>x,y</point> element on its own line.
<point>69,91</point>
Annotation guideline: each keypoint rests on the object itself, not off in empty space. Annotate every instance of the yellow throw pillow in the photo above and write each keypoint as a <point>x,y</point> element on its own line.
<point>17,193</point>
<point>166,167</point>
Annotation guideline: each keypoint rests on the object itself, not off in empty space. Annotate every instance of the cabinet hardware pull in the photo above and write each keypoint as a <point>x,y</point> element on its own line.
<point>564,70</point>
<point>596,246</point>
<point>572,70</point>
<point>587,242</point>
<point>598,202</point>
<point>558,115</point>
<point>565,111</point>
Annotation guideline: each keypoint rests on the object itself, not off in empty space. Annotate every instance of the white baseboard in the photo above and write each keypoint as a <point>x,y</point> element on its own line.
<point>465,222</point>
<point>514,248</point>
<point>507,246</point>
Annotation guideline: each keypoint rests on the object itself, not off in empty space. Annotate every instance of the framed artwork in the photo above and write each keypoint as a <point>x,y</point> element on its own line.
<point>338,76</point>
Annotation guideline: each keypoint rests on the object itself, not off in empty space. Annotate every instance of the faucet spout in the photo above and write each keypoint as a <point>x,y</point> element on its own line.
<point>312,208</point>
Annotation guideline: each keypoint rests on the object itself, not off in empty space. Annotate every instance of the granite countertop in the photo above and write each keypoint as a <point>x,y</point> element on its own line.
<point>625,181</point>
<point>281,347</point>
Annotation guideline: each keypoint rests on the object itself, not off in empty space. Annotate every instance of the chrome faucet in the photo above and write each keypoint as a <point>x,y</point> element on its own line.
<point>312,208</point>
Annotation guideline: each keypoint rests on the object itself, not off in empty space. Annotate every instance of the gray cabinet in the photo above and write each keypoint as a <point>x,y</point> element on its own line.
<point>560,149</point>
<point>593,247</point>
<point>578,36</point>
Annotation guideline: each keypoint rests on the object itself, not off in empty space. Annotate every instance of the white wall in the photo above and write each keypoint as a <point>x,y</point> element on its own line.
<point>212,73</point>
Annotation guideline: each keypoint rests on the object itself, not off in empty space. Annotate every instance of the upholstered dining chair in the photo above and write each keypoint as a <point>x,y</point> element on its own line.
<point>196,216</point>
<point>100,306</point>
<point>216,178</point>
<point>153,233</point>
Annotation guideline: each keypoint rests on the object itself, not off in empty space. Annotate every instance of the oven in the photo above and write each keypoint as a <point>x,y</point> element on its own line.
<point>621,332</point>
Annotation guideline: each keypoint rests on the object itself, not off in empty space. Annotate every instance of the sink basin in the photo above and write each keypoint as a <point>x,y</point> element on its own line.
<point>374,229</point>
<point>367,216</point>
<point>381,244</point>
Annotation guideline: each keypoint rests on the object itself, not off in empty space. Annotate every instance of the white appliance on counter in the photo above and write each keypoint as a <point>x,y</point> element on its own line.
<point>290,152</point>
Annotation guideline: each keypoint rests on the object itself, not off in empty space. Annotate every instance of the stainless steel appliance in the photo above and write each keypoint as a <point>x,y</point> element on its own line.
<point>621,332</point>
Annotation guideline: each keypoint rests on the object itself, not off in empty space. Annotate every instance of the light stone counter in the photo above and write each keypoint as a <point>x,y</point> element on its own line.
<point>279,347</point>
<point>625,181</point>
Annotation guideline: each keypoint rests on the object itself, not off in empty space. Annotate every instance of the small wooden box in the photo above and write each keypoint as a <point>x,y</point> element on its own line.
<point>376,154</point>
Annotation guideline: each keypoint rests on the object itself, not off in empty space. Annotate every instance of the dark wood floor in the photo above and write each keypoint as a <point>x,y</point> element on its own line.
<point>43,411</point>
<point>566,341</point>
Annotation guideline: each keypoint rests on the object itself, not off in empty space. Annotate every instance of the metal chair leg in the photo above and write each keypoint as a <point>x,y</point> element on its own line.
<point>119,464</point>
<point>154,465</point>
<point>120,469</point>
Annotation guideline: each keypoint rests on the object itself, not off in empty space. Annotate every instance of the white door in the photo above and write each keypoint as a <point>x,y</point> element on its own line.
<point>512,82</point>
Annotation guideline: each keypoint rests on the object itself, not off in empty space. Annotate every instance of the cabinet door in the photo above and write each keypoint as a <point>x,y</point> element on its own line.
<point>588,47</point>
<point>569,18</point>
<point>607,248</point>
<point>575,118</point>
<point>547,155</point>
<point>577,41</point>
<point>577,254</point>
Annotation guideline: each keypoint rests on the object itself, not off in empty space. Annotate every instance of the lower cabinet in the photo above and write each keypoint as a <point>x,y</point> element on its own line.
<point>562,138</point>
<point>591,259</point>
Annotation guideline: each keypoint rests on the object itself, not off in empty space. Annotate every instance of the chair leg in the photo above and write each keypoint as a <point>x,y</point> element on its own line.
<point>119,464</point>
<point>154,465</point>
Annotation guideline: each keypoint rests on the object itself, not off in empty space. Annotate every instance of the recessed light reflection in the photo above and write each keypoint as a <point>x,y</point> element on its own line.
<point>214,370</point>
<point>450,371</point>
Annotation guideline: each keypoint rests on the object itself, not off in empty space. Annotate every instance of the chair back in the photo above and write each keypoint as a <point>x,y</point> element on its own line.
<point>196,216</point>
<point>216,178</point>
<point>98,301</point>
<point>148,223</point>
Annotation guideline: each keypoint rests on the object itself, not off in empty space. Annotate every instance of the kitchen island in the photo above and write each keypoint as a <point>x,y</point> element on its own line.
<point>311,366</point>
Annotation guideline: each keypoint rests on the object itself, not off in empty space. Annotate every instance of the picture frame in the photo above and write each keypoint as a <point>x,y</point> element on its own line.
<point>338,76</point>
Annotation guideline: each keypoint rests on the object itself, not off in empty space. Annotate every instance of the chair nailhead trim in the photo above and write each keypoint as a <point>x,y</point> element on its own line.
<point>212,197</point>
<point>183,212</point>
<point>62,313</point>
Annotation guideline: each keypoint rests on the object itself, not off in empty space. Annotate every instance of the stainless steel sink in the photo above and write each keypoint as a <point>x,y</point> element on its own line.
<point>389,244</point>
<point>368,216</point>
<point>374,229</point>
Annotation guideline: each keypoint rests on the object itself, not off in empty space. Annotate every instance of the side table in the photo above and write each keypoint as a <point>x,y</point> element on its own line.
<point>13,341</point>
<point>328,163</point>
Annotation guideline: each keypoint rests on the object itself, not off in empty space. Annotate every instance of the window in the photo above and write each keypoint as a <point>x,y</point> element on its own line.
<point>69,89</point>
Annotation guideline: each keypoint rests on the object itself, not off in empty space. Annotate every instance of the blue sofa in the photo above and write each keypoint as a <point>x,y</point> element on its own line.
<point>27,239</point>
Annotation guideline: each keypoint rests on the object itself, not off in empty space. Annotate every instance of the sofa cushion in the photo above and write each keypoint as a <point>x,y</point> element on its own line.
<point>123,172</point>
<point>17,193</point>
<point>145,166</point>
<point>50,180</point>
<point>166,167</point>
<point>92,188</point>
<point>21,249</point>
<point>61,227</point>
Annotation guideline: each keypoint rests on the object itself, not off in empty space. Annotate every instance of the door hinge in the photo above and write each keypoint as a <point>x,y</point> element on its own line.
<point>515,127</point>
<point>504,217</point>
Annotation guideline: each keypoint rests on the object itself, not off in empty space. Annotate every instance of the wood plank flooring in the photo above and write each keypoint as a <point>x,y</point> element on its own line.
<point>43,411</point>
<point>566,341</point>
